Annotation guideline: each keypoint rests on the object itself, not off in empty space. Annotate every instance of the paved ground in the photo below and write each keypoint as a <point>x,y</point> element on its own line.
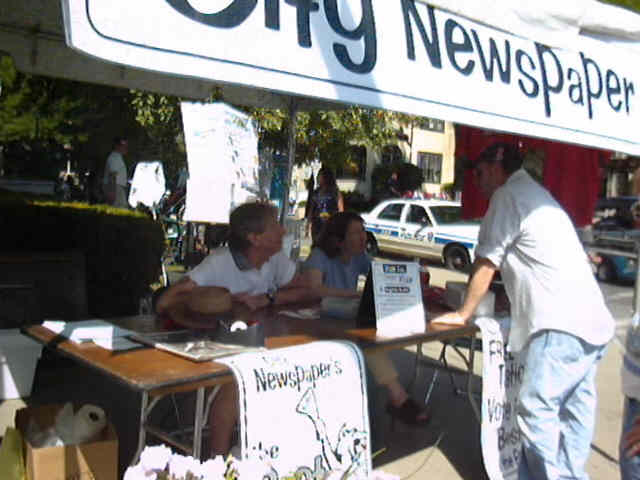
<point>447,449</point>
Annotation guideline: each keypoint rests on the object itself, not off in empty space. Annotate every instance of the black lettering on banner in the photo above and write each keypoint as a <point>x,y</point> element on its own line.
<point>454,47</point>
<point>431,45</point>
<point>494,58</point>
<point>261,380</point>
<point>613,88</point>
<point>628,88</point>
<point>575,87</point>
<point>535,89</point>
<point>303,19</point>
<point>272,14</point>
<point>546,86</point>
<point>229,17</point>
<point>366,30</point>
<point>591,94</point>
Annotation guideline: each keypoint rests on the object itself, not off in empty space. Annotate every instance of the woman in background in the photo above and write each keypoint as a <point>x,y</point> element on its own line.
<point>336,261</point>
<point>325,201</point>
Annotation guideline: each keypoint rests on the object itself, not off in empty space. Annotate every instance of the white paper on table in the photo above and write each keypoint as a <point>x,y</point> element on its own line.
<point>86,329</point>
<point>116,343</point>
<point>302,313</point>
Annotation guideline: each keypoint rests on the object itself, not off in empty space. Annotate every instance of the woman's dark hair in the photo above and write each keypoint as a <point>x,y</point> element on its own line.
<point>506,153</point>
<point>334,232</point>
<point>329,179</point>
<point>245,219</point>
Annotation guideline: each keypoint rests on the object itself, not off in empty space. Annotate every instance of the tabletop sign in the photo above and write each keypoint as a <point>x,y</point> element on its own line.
<point>303,410</point>
<point>502,374</point>
<point>398,296</point>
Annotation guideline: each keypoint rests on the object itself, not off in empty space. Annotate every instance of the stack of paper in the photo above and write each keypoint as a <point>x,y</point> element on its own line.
<point>98,331</point>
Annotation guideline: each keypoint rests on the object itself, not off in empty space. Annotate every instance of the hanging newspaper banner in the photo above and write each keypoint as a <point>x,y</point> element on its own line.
<point>303,409</point>
<point>502,374</point>
<point>222,153</point>
<point>400,55</point>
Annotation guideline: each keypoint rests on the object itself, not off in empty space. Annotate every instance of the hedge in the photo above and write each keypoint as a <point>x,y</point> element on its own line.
<point>122,248</point>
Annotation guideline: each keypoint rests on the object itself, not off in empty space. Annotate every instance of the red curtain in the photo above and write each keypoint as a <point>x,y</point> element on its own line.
<point>571,172</point>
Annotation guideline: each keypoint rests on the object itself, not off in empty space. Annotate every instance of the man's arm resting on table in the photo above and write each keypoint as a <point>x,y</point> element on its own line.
<point>481,276</point>
<point>299,289</point>
<point>175,294</point>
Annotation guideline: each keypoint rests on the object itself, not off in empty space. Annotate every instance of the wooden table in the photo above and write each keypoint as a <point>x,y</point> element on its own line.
<point>156,373</point>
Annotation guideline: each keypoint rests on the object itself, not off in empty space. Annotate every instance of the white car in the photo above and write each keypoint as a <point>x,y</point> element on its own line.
<point>422,228</point>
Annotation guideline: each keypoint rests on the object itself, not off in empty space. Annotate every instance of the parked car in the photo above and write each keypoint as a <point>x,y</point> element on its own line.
<point>613,232</point>
<point>422,228</point>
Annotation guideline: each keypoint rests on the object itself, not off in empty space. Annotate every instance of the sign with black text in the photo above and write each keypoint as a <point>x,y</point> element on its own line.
<point>502,374</point>
<point>402,55</point>
<point>398,297</point>
<point>303,410</point>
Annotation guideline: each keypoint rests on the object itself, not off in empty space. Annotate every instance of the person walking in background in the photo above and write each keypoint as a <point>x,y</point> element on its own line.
<point>393,186</point>
<point>325,201</point>
<point>114,182</point>
<point>310,184</point>
<point>560,322</point>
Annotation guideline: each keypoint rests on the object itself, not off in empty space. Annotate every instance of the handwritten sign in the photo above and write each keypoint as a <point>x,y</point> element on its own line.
<point>502,373</point>
<point>303,409</point>
<point>222,151</point>
<point>398,296</point>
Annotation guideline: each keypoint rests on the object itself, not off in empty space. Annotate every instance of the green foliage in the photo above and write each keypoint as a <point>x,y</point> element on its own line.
<point>410,178</point>
<point>122,248</point>
<point>356,201</point>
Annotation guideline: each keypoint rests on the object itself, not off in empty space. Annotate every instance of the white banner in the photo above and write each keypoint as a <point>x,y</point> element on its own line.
<point>222,152</point>
<point>395,54</point>
<point>502,375</point>
<point>304,409</point>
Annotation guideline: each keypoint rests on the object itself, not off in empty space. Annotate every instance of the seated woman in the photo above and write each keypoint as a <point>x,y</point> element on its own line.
<point>334,265</point>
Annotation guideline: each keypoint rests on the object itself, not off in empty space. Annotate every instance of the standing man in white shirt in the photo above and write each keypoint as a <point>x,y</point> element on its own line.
<point>560,322</point>
<point>114,182</point>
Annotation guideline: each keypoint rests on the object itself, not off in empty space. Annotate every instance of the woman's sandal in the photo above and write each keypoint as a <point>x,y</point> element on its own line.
<point>408,413</point>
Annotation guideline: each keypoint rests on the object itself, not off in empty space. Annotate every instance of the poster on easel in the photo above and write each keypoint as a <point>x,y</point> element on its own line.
<point>222,154</point>
<point>398,297</point>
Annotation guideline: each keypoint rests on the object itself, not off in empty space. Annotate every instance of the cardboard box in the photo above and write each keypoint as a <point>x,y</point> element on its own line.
<point>96,460</point>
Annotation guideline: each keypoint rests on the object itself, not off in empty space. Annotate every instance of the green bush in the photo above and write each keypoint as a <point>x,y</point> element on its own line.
<point>410,178</point>
<point>122,248</point>
<point>356,201</point>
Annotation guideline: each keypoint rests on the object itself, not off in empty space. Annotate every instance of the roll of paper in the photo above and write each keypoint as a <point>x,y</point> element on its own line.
<point>88,422</point>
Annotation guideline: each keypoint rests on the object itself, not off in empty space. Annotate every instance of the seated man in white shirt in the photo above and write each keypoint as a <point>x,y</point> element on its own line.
<point>257,273</point>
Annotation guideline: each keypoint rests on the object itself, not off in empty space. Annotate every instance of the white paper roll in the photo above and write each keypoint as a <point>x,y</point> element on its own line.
<point>88,422</point>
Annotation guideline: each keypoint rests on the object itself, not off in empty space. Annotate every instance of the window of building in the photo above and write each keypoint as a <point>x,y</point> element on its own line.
<point>392,212</point>
<point>432,124</point>
<point>391,154</point>
<point>355,165</point>
<point>431,165</point>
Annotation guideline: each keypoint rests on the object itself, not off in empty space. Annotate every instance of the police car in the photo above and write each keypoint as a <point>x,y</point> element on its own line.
<point>422,228</point>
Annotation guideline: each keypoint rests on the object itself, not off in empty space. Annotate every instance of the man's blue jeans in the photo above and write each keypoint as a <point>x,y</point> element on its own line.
<point>629,467</point>
<point>557,405</point>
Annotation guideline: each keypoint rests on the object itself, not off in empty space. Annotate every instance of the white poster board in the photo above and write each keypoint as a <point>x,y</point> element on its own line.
<point>147,185</point>
<point>398,297</point>
<point>502,374</point>
<point>222,153</point>
<point>303,409</point>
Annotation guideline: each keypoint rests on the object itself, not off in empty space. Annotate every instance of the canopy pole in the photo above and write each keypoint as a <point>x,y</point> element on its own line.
<point>293,124</point>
